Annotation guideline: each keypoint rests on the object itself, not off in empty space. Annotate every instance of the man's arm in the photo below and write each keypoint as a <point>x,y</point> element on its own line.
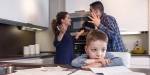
<point>110,27</point>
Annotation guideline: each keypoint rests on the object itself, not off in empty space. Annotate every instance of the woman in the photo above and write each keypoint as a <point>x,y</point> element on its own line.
<point>63,40</point>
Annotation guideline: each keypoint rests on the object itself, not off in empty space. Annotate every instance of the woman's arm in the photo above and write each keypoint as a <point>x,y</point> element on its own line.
<point>78,34</point>
<point>59,37</point>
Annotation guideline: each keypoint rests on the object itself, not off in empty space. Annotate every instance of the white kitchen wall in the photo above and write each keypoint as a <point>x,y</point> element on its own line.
<point>45,39</point>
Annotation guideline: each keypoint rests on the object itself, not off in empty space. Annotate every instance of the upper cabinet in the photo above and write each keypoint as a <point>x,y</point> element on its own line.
<point>131,15</point>
<point>75,5</point>
<point>35,12</point>
<point>11,10</point>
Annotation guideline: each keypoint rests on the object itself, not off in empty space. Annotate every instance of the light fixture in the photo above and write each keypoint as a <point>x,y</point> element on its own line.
<point>28,28</point>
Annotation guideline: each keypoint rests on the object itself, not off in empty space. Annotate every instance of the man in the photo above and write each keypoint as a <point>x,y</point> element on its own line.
<point>107,24</point>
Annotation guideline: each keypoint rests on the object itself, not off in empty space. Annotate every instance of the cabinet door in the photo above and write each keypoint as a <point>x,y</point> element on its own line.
<point>140,62</point>
<point>26,11</point>
<point>131,15</point>
<point>12,10</point>
<point>49,60</point>
<point>36,12</point>
<point>76,5</point>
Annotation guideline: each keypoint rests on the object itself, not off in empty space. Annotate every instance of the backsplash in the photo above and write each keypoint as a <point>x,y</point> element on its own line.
<point>12,40</point>
<point>130,40</point>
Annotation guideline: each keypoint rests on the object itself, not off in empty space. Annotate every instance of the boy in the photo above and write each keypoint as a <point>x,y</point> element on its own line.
<point>96,56</point>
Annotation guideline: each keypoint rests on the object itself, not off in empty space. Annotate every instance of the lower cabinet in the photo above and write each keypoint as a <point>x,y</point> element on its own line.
<point>140,62</point>
<point>48,60</point>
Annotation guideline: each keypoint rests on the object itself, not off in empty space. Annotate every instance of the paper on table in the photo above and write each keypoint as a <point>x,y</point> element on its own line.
<point>83,72</point>
<point>42,71</point>
<point>117,70</point>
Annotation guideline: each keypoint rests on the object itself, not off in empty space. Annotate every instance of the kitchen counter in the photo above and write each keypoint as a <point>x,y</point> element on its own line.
<point>140,55</point>
<point>41,55</point>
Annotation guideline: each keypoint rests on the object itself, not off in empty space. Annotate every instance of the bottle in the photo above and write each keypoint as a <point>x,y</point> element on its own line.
<point>37,49</point>
<point>138,49</point>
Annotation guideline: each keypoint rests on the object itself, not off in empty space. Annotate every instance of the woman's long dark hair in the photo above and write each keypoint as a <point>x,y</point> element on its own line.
<point>56,22</point>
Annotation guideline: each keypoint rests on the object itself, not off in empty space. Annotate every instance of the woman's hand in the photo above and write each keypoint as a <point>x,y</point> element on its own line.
<point>95,19</point>
<point>62,29</point>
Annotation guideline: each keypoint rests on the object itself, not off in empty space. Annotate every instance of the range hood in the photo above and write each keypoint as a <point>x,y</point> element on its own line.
<point>23,26</point>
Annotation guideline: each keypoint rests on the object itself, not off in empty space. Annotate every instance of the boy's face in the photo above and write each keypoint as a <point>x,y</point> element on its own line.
<point>96,49</point>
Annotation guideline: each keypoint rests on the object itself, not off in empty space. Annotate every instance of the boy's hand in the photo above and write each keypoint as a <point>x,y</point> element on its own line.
<point>104,61</point>
<point>94,65</point>
<point>90,61</point>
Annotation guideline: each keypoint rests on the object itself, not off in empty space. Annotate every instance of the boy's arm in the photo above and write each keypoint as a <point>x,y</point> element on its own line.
<point>82,61</point>
<point>114,61</point>
<point>79,61</point>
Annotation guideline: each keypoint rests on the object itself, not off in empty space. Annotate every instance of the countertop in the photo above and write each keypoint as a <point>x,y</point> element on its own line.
<point>41,55</point>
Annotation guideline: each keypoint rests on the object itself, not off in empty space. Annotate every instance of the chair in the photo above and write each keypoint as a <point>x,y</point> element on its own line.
<point>126,57</point>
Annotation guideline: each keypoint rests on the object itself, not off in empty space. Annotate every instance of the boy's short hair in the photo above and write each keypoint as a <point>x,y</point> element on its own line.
<point>95,35</point>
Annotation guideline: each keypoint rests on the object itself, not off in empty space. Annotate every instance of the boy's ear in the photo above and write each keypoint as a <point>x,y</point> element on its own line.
<point>85,48</point>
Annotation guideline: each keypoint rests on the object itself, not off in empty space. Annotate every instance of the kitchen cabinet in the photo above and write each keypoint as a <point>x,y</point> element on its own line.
<point>48,60</point>
<point>11,10</point>
<point>35,12</point>
<point>131,15</point>
<point>140,62</point>
<point>75,5</point>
